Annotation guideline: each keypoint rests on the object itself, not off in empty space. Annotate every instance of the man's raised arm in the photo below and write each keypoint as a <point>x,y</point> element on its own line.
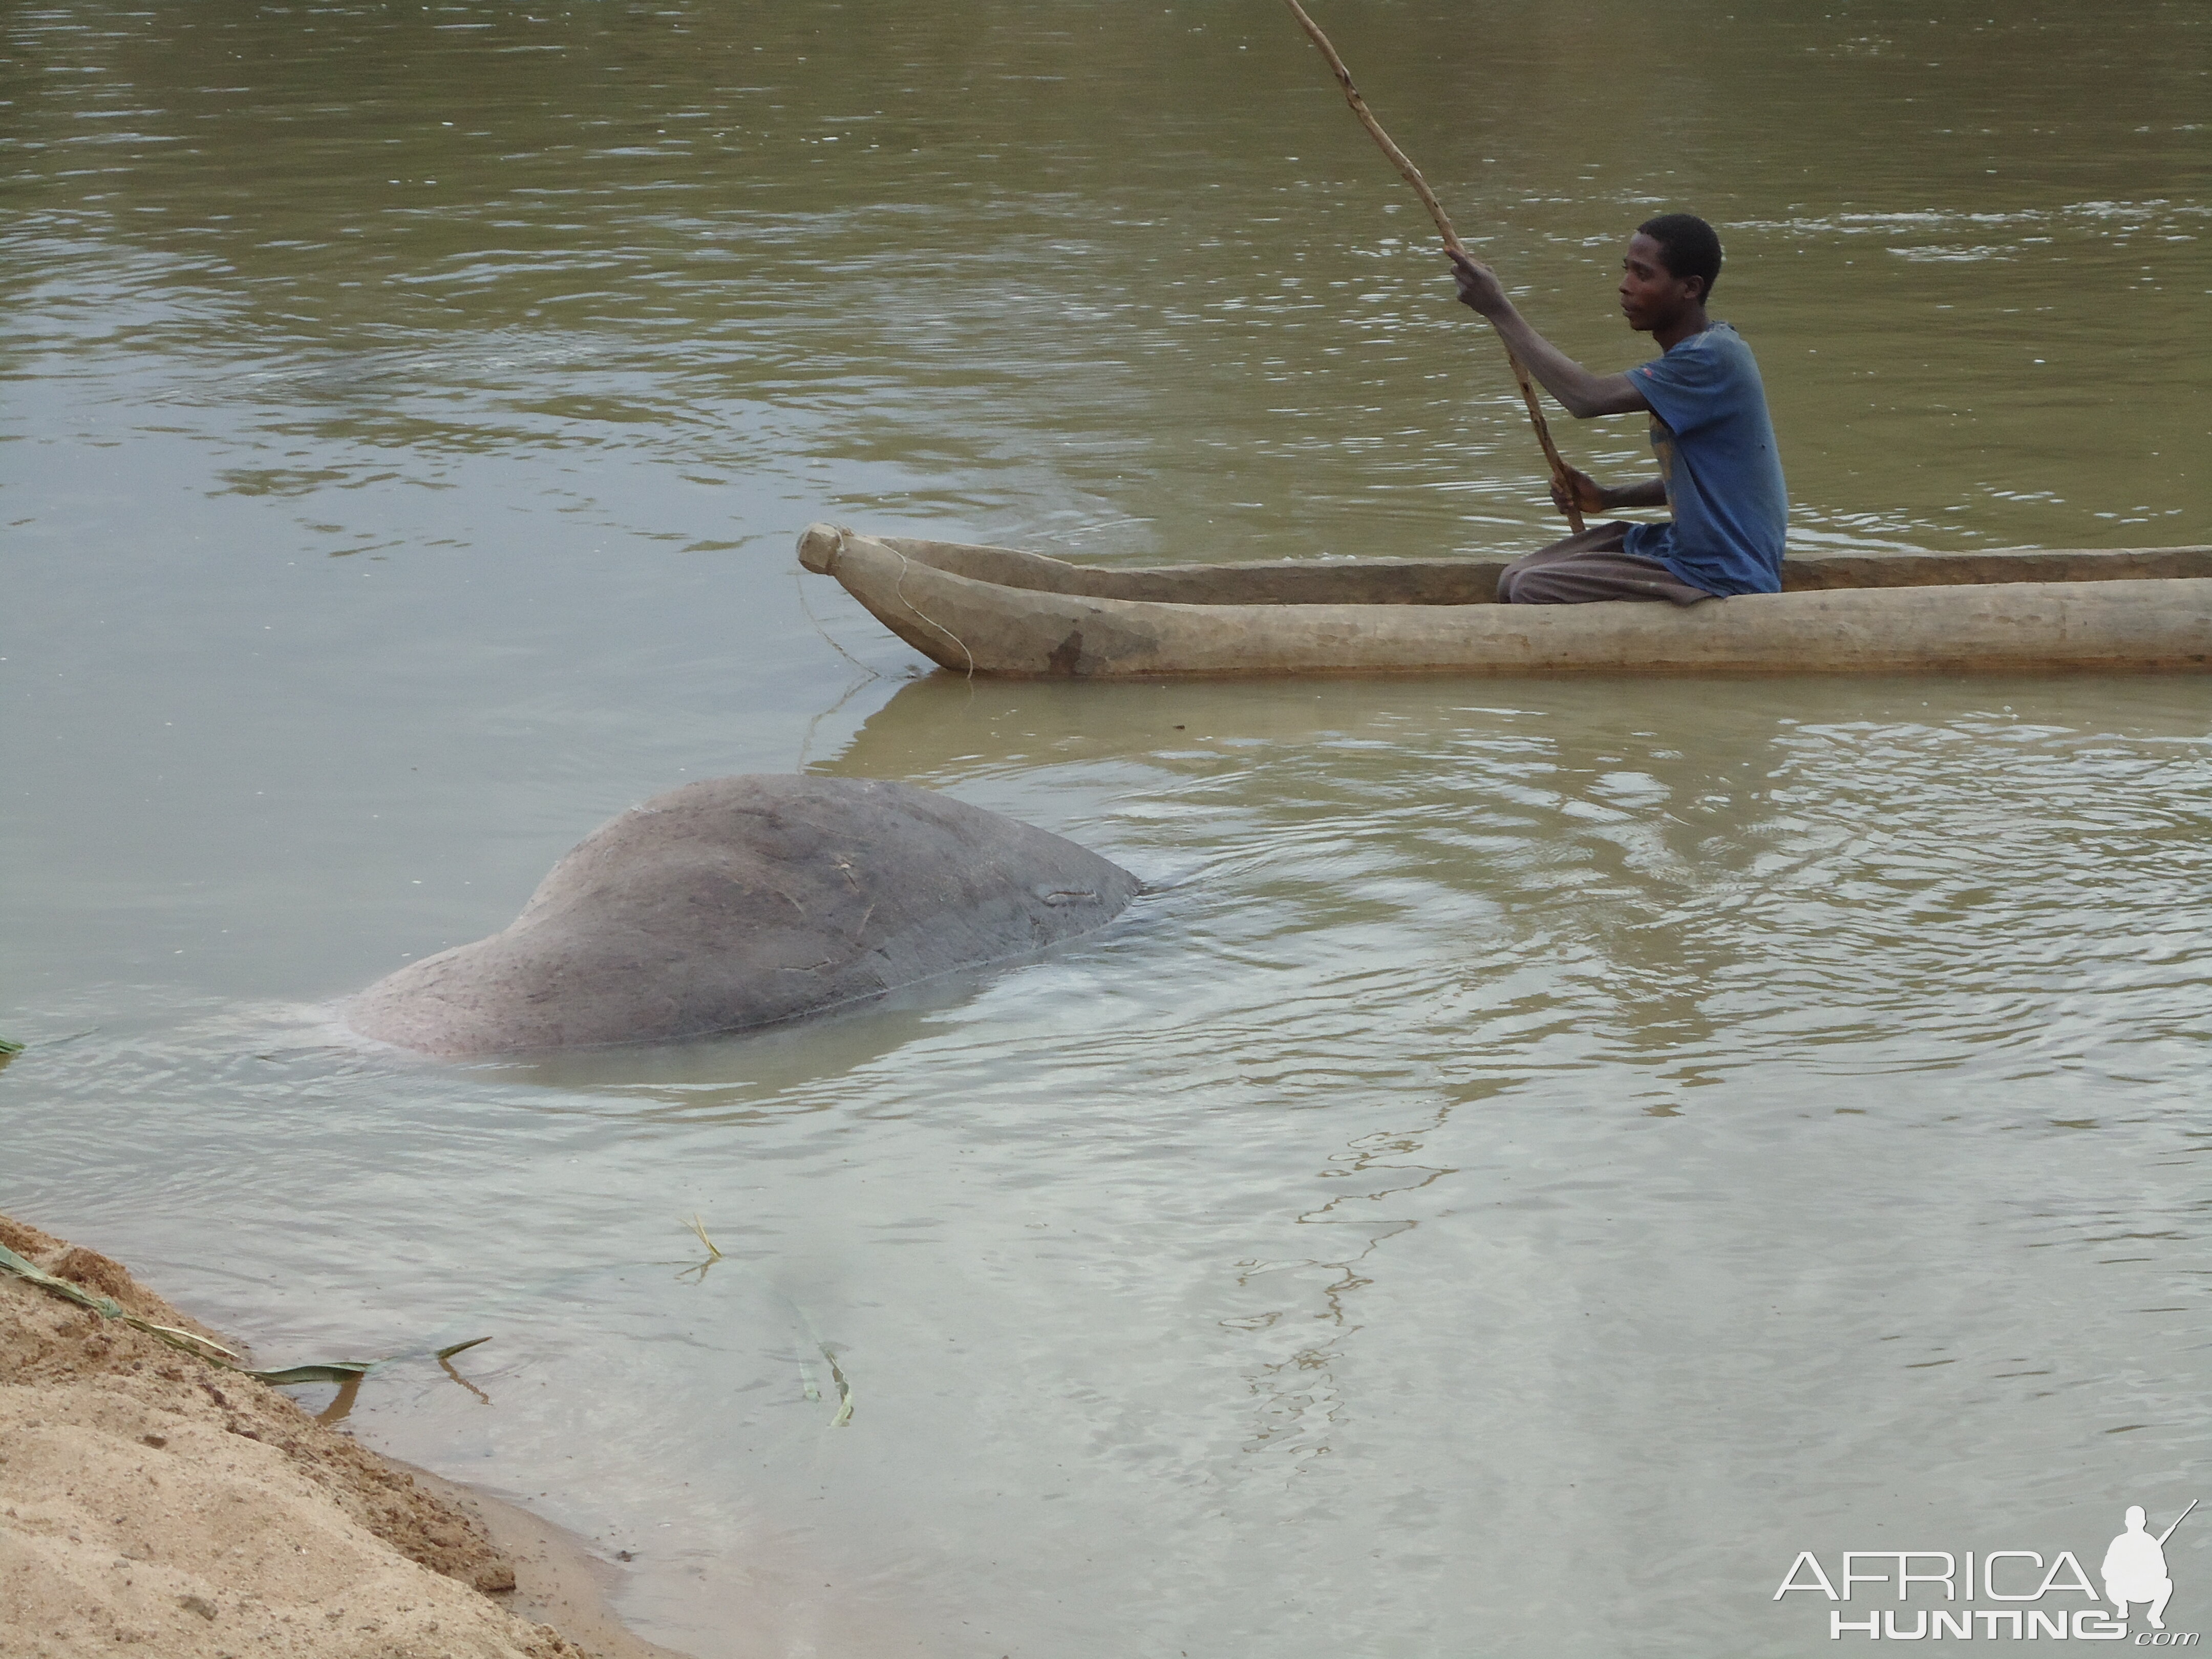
<point>1580,393</point>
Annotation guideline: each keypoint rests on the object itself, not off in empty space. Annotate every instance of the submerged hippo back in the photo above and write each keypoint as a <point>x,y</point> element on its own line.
<point>742,901</point>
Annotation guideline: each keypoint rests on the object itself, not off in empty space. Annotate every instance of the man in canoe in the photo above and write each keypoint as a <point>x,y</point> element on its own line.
<point>1718,469</point>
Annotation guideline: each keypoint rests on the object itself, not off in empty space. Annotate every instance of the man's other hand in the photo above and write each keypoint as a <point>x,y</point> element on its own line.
<point>1479,286</point>
<point>1580,490</point>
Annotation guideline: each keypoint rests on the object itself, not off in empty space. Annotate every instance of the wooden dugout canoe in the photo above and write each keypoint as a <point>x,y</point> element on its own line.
<point>997,611</point>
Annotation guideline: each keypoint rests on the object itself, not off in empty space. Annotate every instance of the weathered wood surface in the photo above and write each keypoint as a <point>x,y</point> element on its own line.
<point>999,610</point>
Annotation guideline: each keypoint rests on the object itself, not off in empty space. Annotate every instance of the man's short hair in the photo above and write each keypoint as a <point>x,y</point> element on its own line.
<point>1688,246</point>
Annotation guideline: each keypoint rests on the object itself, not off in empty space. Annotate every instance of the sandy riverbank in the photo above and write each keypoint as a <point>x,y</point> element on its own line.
<point>150,1499</point>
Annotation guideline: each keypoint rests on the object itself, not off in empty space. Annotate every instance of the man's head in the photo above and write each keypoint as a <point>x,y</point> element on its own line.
<point>1688,246</point>
<point>2135,1517</point>
<point>1672,263</point>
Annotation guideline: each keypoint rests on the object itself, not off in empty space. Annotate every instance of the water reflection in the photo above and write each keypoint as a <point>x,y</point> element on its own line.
<point>1407,1176</point>
<point>744,1076</point>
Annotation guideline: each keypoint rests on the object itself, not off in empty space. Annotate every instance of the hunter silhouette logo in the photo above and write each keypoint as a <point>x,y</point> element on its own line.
<point>2135,1567</point>
<point>2032,1594</point>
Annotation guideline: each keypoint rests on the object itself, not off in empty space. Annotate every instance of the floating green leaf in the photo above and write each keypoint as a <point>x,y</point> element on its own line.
<point>338,1370</point>
<point>844,1390</point>
<point>200,1347</point>
<point>698,1225</point>
<point>108,1308</point>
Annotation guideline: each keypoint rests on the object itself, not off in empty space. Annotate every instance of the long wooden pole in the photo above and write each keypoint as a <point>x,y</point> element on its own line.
<point>2178,1520</point>
<point>1452,243</point>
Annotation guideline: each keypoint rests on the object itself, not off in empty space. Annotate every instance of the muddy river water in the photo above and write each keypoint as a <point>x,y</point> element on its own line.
<point>1546,1154</point>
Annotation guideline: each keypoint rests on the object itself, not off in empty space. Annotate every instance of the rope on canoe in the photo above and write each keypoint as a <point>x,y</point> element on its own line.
<point>900,588</point>
<point>797,582</point>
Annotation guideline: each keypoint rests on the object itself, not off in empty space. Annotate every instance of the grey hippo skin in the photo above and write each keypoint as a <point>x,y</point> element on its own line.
<point>742,901</point>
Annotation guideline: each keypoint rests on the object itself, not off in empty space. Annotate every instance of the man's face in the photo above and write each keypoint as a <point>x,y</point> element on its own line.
<point>1651,296</point>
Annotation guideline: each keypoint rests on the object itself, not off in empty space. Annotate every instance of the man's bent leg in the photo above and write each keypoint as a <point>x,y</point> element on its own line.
<point>1591,567</point>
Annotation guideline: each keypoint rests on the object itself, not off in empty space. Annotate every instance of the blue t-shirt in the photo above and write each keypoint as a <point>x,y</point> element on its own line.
<point>1717,460</point>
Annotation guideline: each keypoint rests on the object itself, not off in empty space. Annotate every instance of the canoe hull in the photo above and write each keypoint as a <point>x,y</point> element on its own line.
<point>970,623</point>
